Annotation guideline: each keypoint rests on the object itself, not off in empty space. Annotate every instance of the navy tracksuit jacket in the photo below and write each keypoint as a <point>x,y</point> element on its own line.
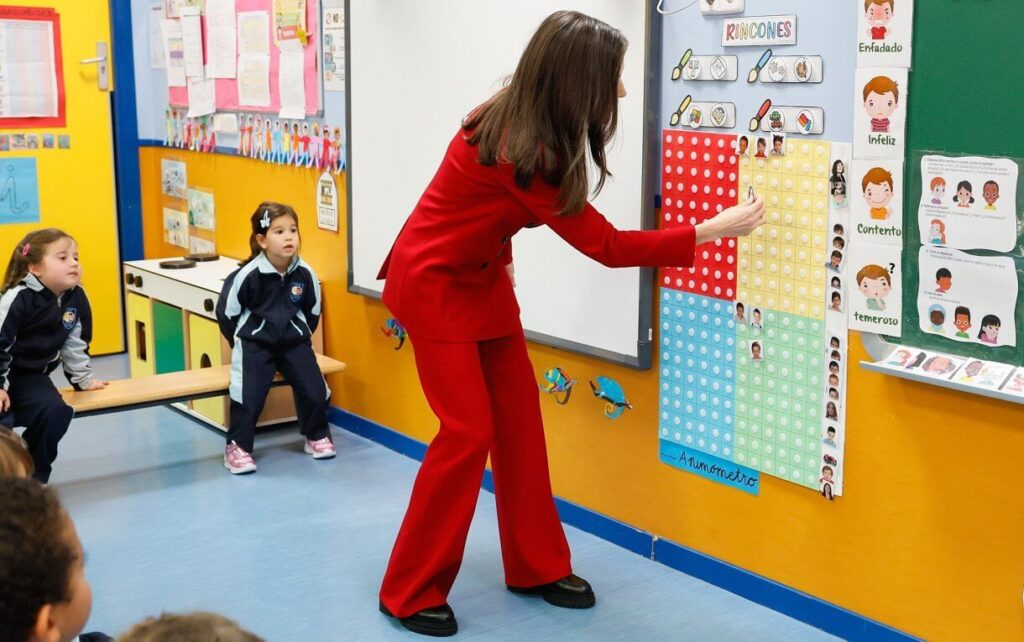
<point>269,318</point>
<point>38,332</point>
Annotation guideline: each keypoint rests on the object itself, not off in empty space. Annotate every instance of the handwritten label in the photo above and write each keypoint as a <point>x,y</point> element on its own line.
<point>710,467</point>
<point>753,31</point>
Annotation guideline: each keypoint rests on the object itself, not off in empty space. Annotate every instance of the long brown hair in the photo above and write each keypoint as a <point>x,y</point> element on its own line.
<point>266,212</point>
<point>30,251</point>
<point>563,97</point>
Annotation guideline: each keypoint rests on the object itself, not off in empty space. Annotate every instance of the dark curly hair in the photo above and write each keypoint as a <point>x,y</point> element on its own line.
<point>36,557</point>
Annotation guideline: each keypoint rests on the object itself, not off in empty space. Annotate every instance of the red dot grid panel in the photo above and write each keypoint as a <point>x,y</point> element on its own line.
<point>699,179</point>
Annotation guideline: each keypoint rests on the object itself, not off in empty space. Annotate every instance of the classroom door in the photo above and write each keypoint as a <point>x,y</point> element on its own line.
<point>76,182</point>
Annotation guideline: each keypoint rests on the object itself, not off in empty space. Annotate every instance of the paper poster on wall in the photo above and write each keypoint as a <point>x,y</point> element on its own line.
<point>174,53</point>
<point>876,291</point>
<point>156,38</point>
<point>192,39</point>
<point>173,8</point>
<point>289,21</point>
<point>253,33</point>
<point>200,209</point>
<point>176,227</point>
<point>968,202</point>
<point>173,175</point>
<point>327,203</point>
<point>334,49</point>
<point>221,37</point>
<point>198,245</point>
<point>254,81</point>
<point>202,97</point>
<point>291,81</point>
<point>877,201</point>
<point>28,72</point>
<point>19,191</point>
<point>884,31</point>
<point>879,112</point>
<point>967,298</point>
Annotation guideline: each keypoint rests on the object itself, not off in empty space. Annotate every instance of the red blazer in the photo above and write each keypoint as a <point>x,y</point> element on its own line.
<point>446,278</point>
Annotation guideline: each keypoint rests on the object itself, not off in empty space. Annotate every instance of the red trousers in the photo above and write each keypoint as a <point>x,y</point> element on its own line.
<point>486,398</point>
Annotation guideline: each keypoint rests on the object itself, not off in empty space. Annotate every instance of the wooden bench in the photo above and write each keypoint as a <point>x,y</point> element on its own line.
<point>158,390</point>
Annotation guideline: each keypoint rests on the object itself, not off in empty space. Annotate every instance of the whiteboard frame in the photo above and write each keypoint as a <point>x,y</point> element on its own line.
<point>650,178</point>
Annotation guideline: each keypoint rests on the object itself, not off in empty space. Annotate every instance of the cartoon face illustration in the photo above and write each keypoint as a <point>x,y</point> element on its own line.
<point>944,279</point>
<point>937,315</point>
<point>964,196</point>
<point>881,97</point>
<point>989,329</point>
<point>899,357</point>
<point>879,13</point>
<point>973,368</point>
<point>875,283</point>
<point>877,185</point>
<point>938,188</point>
<point>938,365</point>
<point>936,230</point>
<point>990,192</point>
<point>962,319</point>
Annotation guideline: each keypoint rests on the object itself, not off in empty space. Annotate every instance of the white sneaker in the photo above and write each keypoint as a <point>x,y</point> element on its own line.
<point>237,461</point>
<point>320,448</point>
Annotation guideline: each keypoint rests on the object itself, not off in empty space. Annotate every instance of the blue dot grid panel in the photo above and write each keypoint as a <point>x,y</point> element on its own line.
<point>698,354</point>
<point>779,398</point>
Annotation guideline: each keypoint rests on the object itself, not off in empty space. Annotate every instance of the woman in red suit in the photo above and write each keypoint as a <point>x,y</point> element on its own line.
<point>519,160</point>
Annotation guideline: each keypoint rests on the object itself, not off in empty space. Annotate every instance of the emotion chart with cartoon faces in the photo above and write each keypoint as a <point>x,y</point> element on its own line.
<point>966,298</point>
<point>968,202</point>
<point>742,332</point>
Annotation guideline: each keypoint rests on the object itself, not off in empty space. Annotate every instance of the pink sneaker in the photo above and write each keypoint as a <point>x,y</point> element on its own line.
<point>237,461</point>
<point>321,448</point>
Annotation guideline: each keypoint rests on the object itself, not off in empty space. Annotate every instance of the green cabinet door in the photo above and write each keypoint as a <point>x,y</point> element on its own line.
<point>168,337</point>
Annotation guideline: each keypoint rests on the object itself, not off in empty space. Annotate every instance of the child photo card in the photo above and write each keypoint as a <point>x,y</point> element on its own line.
<point>876,201</point>
<point>879,112</point>
<point>970,299</point>
<point>875,299</point>
<point>884,30</point>
<point>839,169</point>
<point>968,202</point>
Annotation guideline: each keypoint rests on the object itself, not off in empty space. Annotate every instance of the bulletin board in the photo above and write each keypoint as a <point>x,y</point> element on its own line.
<point>227,88</point>
<point>949,45</point>
<point>35,14</point>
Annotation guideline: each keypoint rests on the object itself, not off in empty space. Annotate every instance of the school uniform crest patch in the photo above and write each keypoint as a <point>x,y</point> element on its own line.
<point>295,293</point>
<point>69,318</point>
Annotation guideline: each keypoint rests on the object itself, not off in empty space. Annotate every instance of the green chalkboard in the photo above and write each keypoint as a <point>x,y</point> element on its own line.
<point>965,100</point>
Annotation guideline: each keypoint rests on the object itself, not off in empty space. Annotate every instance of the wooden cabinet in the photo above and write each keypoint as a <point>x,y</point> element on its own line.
<point>172,327</point>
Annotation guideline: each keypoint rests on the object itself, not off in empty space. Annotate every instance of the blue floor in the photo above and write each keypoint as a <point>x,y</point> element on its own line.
<point>296,551</point>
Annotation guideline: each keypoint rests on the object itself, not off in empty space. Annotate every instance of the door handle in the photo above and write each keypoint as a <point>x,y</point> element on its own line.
<point>102,66</point>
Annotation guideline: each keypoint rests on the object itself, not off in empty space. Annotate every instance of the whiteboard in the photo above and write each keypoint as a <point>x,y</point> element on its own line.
<point>415,69</point>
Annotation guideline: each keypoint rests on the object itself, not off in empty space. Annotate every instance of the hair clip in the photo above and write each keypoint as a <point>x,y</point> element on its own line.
<point>265,221</point>
<point>25,249</point>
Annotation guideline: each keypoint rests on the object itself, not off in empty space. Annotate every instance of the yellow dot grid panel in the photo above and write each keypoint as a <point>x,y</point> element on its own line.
<point>781,266</point>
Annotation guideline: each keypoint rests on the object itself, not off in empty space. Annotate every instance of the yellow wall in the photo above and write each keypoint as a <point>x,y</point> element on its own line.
<point>929,537</point>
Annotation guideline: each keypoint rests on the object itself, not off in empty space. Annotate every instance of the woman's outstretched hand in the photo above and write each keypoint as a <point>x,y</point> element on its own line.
<point>738,220</point>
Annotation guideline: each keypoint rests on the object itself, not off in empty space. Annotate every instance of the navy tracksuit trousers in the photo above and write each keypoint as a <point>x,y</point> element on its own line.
<point>252,371</point>
<point>36,405</point>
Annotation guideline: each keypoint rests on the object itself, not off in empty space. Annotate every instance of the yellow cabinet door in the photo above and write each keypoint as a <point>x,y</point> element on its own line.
<point>204,351</point>
<point>141,353</point>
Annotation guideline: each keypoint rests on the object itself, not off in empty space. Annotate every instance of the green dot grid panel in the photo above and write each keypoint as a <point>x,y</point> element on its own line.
<point>777,429</point>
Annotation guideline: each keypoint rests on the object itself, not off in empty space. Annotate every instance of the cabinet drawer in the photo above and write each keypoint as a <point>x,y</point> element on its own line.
<point>183,295</point>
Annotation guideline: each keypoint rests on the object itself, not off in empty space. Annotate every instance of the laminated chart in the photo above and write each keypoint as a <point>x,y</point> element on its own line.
<point>743,339</point>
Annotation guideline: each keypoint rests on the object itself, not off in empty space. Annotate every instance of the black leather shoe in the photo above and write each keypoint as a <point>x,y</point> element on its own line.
<point>570,592</point>
<point>438,621</point>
